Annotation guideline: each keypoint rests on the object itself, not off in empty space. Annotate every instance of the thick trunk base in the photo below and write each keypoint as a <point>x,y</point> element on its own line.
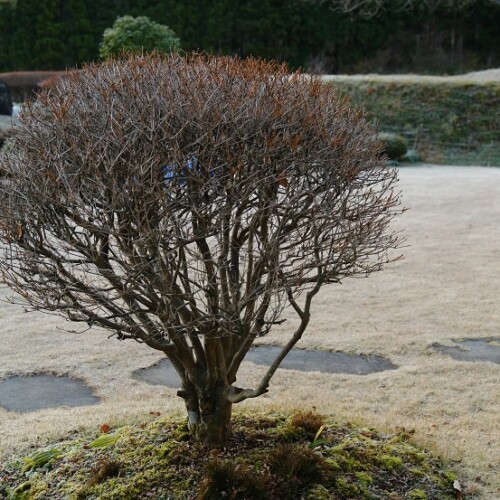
<point>213,423</point>
<point>217,425</point>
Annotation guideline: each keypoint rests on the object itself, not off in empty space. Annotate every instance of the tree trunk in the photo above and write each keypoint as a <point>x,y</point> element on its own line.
<point>209,416</point>
<point>216,419</point>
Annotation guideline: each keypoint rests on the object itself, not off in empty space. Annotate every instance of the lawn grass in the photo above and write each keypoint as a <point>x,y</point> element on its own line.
<point>446,287</point>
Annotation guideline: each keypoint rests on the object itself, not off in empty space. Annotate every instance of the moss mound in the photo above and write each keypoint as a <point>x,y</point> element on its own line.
<point>448,122</point>
<point>269,457</point>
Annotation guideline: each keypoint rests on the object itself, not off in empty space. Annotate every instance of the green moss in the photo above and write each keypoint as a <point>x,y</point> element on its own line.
<point>449,476</point>
<point>22,489</point>
<point>345,460</point>
<point>390,462</point>
<point>333,465</point>
<point>364,478</point>
<point>346,488</point>
<point>417,471</point>
<point>318,492</point>
<point>289,433</point>
<point>116,490</point>
<point>160,460</point>
<point>417,495</point>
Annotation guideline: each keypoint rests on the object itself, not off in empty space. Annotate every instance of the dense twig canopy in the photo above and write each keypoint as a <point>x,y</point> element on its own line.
<point>185,201</point>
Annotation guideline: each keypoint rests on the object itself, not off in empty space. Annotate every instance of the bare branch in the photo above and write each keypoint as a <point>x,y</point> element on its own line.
<point>184,202</point>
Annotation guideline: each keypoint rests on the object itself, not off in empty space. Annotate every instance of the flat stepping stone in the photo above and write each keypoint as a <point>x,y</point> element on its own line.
<point>163,373</point>
<point>486,349</point>
<point>35,392</point>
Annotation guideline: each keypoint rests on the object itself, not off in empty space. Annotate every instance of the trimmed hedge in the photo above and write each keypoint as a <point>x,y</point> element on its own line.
<point>395,146</point>
<point>447,121</point>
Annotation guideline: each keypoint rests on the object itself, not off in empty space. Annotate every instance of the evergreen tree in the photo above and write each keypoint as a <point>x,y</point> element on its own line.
<point>5,36</point>
<point>48,48</point>
<point>78,32</point>
<point>137,34</point>
<point>24,34</point>
<point>64,33</point>
<point>102,15</point>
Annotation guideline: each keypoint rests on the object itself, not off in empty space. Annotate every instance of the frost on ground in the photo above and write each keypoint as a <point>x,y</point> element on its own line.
<point>447,287</point>
<point>489,75</point>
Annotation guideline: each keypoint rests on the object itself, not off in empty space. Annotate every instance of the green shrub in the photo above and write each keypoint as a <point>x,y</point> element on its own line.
<point>395,146</point>
<point>137,35</point>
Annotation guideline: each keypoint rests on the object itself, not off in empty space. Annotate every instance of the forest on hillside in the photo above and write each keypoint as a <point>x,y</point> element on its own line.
<point>58,34</point>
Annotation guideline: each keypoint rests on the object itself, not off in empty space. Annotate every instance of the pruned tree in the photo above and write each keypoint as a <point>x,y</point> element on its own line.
<point>137,35</point>
<point>184,202</point>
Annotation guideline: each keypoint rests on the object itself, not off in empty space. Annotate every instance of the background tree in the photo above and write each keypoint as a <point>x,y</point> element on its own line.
<point>371,8</point>
<point>5,34</point>
<point>137,35</point>
<point>24,15</point>
<point>47,50</point>
<point>438,36</point>
<point>185,202</point>
<point>78,33</point>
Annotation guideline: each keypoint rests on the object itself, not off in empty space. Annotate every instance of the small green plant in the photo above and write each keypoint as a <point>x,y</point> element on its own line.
<point>41,459</point>
<point>395,146</point>
<point>104,441</point>
<point>137,35</point>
